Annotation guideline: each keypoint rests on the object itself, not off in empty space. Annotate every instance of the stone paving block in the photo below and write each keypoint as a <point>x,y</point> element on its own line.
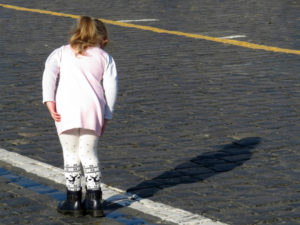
<point>11,177</point>
<point>17,202</point>
<point>225,167</point>
<point>25,183</point>
<point>195,171</point>
<point>42,189</point>
<point>238,158</point>
<point>31,209</point>
<point>57,195</point>
<point>3,172</point>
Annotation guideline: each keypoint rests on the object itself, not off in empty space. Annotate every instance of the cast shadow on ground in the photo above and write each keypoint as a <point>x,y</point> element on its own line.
<point>200,168</point>
<point>195,170</point>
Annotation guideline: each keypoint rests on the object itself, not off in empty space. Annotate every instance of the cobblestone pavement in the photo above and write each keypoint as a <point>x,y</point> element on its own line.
<point>32,200</point>
<point>206,127</point>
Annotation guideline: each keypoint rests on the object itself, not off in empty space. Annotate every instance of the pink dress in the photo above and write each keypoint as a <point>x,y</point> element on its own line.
<point>87,87</point>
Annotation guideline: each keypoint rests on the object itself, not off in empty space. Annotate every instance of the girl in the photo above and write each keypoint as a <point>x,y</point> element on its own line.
<point>81,106</point>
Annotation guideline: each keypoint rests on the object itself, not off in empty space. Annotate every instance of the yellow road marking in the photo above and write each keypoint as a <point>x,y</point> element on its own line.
<point>164,31</point>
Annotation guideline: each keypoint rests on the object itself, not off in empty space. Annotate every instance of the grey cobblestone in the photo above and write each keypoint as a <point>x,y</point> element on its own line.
<point>179,99</point>
<point>28,203</point>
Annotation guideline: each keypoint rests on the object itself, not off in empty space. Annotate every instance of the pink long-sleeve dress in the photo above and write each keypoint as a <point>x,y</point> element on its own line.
<point>86,90</point>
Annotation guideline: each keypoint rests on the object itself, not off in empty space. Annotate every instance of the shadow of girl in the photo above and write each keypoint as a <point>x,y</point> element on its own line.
<point>200,168</point>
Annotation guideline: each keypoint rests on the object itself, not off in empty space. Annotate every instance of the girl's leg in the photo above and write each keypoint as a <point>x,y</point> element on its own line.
<point>88,143</point>
<point>88,149</point>
<point>70,144</point>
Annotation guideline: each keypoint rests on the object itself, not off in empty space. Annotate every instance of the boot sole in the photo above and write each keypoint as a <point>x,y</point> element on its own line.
<point>95,213</point>
<point>71,213</point>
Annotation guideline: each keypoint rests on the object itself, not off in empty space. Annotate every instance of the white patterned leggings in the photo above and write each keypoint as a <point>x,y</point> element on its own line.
<point>80,147</point>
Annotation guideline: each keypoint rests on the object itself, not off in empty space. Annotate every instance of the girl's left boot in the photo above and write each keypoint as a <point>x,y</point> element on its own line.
<point>92,203</point>
<point>72,205</point>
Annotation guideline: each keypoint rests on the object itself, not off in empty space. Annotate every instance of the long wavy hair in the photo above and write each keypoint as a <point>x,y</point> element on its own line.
<point>88,33</point>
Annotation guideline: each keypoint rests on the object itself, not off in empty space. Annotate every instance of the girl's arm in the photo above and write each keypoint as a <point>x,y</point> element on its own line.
<point>110,86</point>
<point>52,109</point>
<point>52,68</point>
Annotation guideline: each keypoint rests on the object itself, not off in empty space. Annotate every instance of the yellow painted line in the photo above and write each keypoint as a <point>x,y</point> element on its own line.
<point>164,31</point>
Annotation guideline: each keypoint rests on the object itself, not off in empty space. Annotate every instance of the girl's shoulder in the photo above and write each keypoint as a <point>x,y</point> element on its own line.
<point>99,50</point>
<point>55,55</point>
<point>66,48</point>
<point>57,51</point>
<point>62,47</point>
<point>102,53</point>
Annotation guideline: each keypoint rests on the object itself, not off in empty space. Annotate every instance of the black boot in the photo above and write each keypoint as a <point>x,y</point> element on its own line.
<point>92,203</point>
<point>72,206</point>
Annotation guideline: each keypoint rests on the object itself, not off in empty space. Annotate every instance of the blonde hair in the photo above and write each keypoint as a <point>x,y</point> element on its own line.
<point>88,33</point>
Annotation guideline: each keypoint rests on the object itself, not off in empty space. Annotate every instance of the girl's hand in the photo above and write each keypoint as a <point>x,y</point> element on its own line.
<point>104,126</point>
<point>52,109</point>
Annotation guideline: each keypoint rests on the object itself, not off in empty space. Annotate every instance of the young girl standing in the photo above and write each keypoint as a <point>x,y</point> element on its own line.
<point>81,105</point>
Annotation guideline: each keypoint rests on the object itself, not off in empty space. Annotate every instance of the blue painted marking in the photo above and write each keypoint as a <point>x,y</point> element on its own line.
<point>11,177</point>
<point>42,189</point>
<point>26,183</point>
<point>60,196</point>
<point>123,218</point>
<point>3,172</point>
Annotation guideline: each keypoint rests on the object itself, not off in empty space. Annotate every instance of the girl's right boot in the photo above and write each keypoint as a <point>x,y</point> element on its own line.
<point>92,203</point>
<point>72,205</point>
